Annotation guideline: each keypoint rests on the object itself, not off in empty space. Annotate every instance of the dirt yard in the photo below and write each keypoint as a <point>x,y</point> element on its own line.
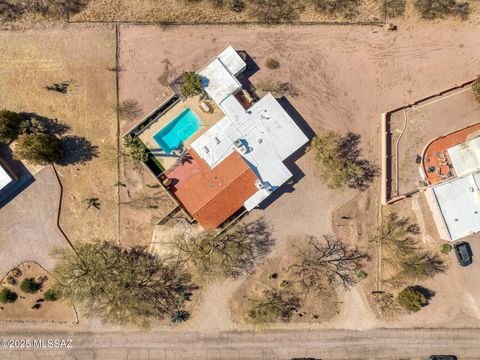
<point>80,56</point>
<point>345,78</point>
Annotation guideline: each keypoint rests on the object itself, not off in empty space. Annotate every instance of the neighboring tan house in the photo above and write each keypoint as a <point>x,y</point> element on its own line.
<point>452,168</point>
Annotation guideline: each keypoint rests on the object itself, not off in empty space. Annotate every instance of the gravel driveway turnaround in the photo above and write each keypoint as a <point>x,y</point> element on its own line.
<point>28,224</point>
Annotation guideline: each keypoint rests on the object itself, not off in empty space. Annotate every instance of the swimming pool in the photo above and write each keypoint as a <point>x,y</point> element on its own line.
<point>177,131</point>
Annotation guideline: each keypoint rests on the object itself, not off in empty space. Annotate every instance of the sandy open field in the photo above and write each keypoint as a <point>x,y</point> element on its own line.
<point>81,56</point>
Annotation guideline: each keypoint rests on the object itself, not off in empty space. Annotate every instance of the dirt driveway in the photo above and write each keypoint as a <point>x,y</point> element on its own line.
<point>28,224</point>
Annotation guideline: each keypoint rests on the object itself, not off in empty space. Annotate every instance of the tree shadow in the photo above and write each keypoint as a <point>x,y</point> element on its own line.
<point>429,294</point>
<point>78,150</point>
<point>51,126</point>
<point>349,146</point>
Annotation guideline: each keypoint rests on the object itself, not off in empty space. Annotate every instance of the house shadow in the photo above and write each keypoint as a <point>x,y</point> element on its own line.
<point>22,176</point>
<point>290,162</point>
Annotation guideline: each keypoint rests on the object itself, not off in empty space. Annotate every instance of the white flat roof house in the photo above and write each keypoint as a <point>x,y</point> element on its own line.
<point>455,203</point>
<point>264,135</point>
<point>5,177</point>
<point>458,204</point>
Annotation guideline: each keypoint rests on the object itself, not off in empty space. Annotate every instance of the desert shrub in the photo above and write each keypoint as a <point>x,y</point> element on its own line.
<point>11,280</point>
<point>10,125</point>
<point>16,272</point>
<point>192,84</point>
<point>361,275</point>
<point>434,9</point>
<point>7,296</point>
<point>411,299</point>
<point>347,8</point>
<point>285,284</point>
<point>272,64</point>
<point>215,3</point>
<point>30,285</point>
<point>38,148</point>
<point>445,248</point>
<point>235,5</point>
<point>51,295</point>
<point>273,11</point>
<point>394,8</point>
<point>476,88</point>
<point>179,316</point>
<point>273,306</point>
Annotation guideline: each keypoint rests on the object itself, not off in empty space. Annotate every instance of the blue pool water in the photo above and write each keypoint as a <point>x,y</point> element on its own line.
<point>177,131</point>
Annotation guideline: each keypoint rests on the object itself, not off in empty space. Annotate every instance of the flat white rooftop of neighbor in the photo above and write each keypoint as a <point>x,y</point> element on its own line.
<point>268,133</point>
<point>459,204</point>
<point>5,177</point>
<point>218,82</point>
<point>465,157</point>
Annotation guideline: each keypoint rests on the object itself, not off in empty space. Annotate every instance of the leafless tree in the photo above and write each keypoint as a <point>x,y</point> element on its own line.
<point>324,263</point>
<point>231,253</point>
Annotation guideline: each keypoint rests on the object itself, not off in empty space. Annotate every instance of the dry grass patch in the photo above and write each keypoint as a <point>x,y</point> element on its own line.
<point>32,60</point>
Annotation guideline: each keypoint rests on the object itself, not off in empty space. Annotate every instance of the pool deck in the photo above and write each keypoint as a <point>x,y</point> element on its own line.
<point>206,121</point>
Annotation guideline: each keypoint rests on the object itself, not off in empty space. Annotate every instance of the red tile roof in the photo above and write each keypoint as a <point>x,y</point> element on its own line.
<point>213,195</point>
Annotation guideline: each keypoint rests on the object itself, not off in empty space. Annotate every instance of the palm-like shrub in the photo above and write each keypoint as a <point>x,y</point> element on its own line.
<point>192,84</point>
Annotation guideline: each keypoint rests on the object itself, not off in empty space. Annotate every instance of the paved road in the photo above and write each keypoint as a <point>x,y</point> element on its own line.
<point>325,344</point>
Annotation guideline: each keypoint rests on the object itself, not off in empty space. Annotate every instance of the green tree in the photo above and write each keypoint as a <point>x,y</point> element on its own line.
<point>273,306</point>
<point>412,299</point>
<point>38,148</point>
<point>10,126</point>
<point>30,285</point>
<point>192,84</point>
<point>338,159</point>
<point>476,88</point>
<point>120,286</point>
<point>7,296</point>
